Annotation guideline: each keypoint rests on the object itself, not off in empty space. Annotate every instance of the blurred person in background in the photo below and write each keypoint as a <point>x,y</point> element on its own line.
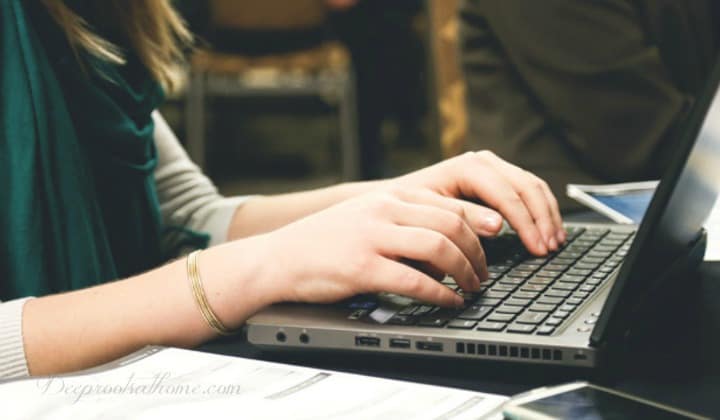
<point>388,56</point>
<point>585,91</point>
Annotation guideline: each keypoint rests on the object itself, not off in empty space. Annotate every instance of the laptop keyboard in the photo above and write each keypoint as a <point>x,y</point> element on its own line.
<point>525,294</point>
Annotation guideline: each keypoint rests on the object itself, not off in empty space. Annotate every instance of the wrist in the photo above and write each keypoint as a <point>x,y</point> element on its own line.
<point>235,280</point>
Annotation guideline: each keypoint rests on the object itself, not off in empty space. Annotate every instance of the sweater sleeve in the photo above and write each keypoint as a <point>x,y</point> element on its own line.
<point>188,199</point>
<point>12,350</point>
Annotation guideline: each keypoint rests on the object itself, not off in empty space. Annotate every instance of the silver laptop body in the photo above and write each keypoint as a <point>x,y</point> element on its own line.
<point>668,245</point>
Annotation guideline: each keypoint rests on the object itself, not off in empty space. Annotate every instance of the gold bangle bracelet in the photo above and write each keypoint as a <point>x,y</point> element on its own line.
<point>198,291</point>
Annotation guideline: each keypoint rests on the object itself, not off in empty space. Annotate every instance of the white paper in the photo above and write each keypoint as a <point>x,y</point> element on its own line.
<point>178,384</point>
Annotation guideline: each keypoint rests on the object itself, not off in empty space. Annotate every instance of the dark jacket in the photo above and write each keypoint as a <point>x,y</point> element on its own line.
<point>584,91</point>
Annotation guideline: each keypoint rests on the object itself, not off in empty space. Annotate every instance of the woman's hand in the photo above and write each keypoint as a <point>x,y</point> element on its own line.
<point>521,197</point>
<point>362,245</point>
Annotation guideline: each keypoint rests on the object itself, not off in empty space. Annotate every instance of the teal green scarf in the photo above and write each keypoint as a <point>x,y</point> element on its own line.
<point>78,204</point>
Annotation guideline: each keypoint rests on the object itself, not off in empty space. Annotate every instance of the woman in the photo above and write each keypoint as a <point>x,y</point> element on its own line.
<point>97,188</point>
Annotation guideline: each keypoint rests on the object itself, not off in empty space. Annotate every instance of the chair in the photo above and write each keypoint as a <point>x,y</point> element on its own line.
<point>323,70</point>
<point>447,81</point>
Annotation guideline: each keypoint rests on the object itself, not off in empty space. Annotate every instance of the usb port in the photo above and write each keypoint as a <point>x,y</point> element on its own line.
<point>400,343</point>
<point>428,346</point>
<point>367,341</point>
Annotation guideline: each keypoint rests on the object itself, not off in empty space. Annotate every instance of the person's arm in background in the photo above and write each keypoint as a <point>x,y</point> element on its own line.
<point>573,91</point>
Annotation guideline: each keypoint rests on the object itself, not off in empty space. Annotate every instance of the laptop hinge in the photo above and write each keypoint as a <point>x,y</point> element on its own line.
<point>660,302</point>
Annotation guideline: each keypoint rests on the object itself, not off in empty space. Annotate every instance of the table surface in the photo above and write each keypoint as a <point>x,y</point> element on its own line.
<point>681,367</point>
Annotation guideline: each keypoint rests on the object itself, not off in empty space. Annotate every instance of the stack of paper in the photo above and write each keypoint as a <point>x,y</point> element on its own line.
<point>159,383</point>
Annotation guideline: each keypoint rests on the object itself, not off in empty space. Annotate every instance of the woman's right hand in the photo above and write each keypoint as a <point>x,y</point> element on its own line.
<point>362,245</point>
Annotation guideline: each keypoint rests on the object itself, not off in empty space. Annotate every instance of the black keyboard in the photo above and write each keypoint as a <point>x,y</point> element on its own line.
<point>525,294</point>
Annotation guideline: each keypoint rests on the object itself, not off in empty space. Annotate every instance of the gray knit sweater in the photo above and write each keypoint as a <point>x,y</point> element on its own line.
<point>187,198</point>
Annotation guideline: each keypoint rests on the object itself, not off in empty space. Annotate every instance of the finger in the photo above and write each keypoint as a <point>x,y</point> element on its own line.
<point>432,247</point>
<point>530,189</point>
<point>425,268</point>
<point>484,221</point>
<point>483,182</point>
<point>450,225</point>
<point>394,277</point>
<point>555,210</point>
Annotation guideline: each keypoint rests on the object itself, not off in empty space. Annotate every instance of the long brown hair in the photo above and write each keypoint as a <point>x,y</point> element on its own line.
<point>155,31</point>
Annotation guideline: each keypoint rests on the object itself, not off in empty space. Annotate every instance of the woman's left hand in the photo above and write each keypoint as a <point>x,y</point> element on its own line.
<point>522,198</point>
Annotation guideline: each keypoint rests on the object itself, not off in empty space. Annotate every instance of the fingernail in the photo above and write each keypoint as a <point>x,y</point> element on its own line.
<point>476,286</point>
<point>458,301</point>
<point>552,244</point>
<point>542,247</point>
<point>492,221</point>
<point>561,236</point>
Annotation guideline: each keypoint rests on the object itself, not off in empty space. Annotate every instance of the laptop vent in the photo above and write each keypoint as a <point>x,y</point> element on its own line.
<point>511,352</point>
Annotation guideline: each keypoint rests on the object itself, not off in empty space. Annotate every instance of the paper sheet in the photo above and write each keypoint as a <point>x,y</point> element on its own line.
<point>174,383</point>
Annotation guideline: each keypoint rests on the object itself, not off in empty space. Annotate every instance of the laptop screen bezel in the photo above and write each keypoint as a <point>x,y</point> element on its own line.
<point>651,253</point>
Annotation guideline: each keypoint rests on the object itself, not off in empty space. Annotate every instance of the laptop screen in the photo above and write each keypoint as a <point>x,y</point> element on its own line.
<point>677,212</point>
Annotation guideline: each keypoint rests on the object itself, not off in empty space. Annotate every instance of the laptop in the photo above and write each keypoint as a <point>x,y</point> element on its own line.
<point>571,308</point>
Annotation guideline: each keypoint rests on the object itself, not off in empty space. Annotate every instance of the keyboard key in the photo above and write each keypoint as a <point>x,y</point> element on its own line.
<point>462,324</point>
<point>521,328</point>
<point>495,294</point>
<point>541,281</point>
<point>586,288</point>
<point>528,266</point>
<point>525,295</point>
<point>574,301</point>
<point>549,300</point>
<point>532,288</point>
<point>540,307</point>
<point>580,295</point>
<point>486,301</point>
<point>506,309</point>
<point>593,281</point>
<point>546,273</point>
<point>554,322</point>
<point>490,326</point>
<point>517,302</point>
<point>600,254</point>
<point>558,293</point>
<point>561,314</point>
<point>494,275</point>
<point>408,310</point>
<point>426,310</point>
<point>402,320</point>
<point>567,307</point>
<point>513,281</point>
<point>572,255</point>
<point>545,330</point>
<point>561,285</point>
<point>578,272</point>
<point>497,268</point>
<point>586,266</point>
<point>519,274</point>
<point>556,267</point>
<point>567,278</point>
<point>432,322</point>
<point>500,318</point>
<point>475,312</point>
<point>503,288</point>
<point>533,318</point>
